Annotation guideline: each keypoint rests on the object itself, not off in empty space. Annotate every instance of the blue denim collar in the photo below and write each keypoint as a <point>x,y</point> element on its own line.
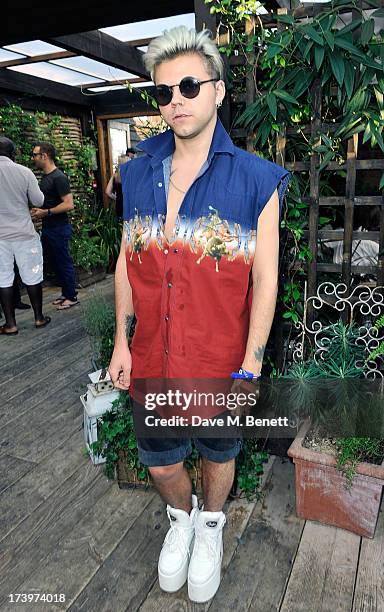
<point>163,145</point>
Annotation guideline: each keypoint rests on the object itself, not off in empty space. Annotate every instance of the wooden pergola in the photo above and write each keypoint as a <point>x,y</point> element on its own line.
<point>74,30</point>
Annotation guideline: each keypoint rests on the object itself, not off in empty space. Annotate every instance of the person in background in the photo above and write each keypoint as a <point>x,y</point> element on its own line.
<point>57,231</point>
<point>114,189</point>
<point>19,240</point>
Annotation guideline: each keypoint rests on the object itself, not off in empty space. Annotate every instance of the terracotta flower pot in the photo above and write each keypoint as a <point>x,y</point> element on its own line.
<point>321,494</point>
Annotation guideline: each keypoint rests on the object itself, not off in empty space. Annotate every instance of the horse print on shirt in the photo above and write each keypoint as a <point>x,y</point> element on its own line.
<point>214,236</point>
<point>138,234</point>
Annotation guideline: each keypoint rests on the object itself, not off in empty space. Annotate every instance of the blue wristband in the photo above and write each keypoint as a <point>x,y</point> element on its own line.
<point>245,375</point>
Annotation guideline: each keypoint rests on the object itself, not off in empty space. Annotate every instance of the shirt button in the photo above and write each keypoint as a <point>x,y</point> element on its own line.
<point>159,184</point>
<point>175,250</point>
<point>166,317</point>
<point>170,285</point>
<point>165,251</point>
<point>166,351</point>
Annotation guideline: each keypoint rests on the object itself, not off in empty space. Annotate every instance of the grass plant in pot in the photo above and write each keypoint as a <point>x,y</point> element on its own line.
<point>339,452</point>
<point>89,257</point>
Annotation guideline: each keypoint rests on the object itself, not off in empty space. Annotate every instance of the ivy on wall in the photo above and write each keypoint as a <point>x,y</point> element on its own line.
<point>76,157</point>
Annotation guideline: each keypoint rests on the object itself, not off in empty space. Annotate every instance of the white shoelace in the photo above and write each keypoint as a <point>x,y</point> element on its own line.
<point>206,540</point>
<point>174,538</point>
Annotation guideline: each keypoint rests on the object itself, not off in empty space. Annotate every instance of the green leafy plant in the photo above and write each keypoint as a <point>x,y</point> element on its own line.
<point>288,64</point>
<point>379,350</point>
<point>99,317</point>
<point>77,160</point>
<point>87,251</point>
<point>249,468</point>
<point>26,127</point>
<point>300,54</point>
<point>108,231</point>
<point>351,451</point>
<point>116,433</point>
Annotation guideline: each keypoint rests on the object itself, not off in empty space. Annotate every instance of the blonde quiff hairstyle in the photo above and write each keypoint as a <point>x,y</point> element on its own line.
<point>182,41</point>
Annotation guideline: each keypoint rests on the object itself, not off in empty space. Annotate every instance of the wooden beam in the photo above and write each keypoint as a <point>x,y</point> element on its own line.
<point>121,102</point>
<point>102,149</point>
<point>41,88</point>
<point>332,267</point>
<point>111,83</point>
<point>380,266</point>
<point>47,105</point>
<point>313,222</point>
<point>116,116</point>
<point>139,42</point>
<point>104,48</point>
<point>350,188</point>
<point>37,58</point>
<point>250,79</point>
<point>203,17</point>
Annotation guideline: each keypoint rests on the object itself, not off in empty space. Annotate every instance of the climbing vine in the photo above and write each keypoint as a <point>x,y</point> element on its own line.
<point>286,62</point>
<point>77,159</point>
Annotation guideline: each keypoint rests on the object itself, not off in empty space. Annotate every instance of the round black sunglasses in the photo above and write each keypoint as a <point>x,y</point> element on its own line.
<point>189,88</point>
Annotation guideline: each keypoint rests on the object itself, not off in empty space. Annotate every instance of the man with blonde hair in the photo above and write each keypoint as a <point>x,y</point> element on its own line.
<point>192,206</point>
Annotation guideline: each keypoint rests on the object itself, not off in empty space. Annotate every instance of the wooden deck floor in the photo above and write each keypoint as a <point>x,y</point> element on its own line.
<point>64,528</point>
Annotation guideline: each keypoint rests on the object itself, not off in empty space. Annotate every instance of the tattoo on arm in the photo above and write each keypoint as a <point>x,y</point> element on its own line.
<point>128,323</point>
<point>259,352</point>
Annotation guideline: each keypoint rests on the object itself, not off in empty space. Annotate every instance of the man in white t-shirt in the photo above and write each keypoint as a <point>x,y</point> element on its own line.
<point>19,240</point>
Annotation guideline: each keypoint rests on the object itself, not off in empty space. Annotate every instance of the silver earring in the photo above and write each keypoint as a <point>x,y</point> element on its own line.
<point>218,104</point>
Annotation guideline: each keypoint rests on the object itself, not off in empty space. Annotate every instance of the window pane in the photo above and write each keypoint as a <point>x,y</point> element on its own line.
<point>5,55</point>
<point>97,69</point>
<point>44,70</point>
<point>34,47</point>
<point>150,28</point>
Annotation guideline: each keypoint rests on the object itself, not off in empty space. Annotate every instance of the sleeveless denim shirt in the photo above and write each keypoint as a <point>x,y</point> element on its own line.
<point>191,295</point>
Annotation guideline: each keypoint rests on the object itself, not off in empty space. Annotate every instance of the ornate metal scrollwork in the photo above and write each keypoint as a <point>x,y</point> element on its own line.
<point>363,307</point>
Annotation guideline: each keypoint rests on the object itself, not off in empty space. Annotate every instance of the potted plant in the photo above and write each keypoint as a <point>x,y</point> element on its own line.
<point>339,476</point>
<point>99,319</point>
<point>117,444</point>
<point>108,230</point>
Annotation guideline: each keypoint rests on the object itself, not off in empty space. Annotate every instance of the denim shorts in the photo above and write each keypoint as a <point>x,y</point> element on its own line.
<point>168,451</point>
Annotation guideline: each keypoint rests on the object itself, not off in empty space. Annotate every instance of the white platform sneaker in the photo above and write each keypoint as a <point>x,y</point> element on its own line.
<point>177,547</point>
<point>204,572</point>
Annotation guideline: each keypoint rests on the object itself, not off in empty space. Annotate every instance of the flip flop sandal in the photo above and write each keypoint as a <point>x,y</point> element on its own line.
<point>5,333</point>
<point>47,320</point>
<point>58,301</point>
<point>67,306</point>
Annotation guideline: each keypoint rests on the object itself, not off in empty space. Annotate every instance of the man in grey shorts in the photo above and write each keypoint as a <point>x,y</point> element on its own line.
<point>18,238</point>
